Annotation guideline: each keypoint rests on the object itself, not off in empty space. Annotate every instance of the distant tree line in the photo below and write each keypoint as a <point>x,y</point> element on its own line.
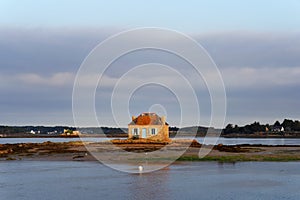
<point>37,129</point>
<point>173,128</point>
<point>288,125</point>
<point>101,130</point>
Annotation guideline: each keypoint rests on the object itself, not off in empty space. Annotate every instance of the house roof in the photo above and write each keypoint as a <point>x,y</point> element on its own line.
<point>147,119</point>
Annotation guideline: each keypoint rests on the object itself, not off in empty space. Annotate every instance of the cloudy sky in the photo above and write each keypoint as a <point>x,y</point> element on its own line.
<point>255,44</point>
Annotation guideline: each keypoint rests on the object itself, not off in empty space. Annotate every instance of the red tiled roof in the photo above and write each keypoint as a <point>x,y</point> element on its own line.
<point>147,119</point>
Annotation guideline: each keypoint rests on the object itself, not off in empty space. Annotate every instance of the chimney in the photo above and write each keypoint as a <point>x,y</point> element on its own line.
<point>163,119</point>
<point>133,118</point>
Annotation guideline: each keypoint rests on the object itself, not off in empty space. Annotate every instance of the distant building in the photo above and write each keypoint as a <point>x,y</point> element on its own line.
<point>32,132</point>
<point>52,132</point>
<point>149,126</point>
<point>68,132</point>
<point>278,129</point>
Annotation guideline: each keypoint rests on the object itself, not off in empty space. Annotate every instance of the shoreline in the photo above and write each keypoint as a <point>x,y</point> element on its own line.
<point>181,136</point>
<point>80,151</point>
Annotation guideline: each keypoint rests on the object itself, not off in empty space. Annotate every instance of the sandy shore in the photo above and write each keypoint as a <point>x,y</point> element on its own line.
<point>79,151</point>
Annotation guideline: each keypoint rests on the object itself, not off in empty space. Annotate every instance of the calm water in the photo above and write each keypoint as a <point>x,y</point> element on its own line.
<point>263,141</point>
<point>226,141</point>
<point>192,180</point>
<point>40,140</point>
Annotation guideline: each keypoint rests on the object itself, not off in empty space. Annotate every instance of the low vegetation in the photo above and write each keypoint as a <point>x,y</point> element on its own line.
<point>220,153</point>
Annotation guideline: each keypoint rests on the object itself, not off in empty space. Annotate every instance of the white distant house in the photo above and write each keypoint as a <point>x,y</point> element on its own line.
<point>52,132</point>
<point>278,129</point>
<point>32,132</point>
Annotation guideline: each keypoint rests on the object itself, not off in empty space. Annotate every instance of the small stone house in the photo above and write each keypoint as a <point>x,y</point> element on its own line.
<point>149,126</point>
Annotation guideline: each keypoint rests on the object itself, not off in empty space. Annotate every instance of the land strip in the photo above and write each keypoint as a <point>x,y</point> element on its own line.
<point>83,151</point>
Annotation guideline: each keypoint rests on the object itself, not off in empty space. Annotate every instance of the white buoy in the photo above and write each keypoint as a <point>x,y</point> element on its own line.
<point>140,168</point>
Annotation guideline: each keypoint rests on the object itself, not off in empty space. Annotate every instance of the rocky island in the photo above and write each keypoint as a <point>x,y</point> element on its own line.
<point>74,151</point>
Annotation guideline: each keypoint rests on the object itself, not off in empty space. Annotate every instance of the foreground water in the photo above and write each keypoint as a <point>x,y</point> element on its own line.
<point>225,141</point>
<point>188,180</point>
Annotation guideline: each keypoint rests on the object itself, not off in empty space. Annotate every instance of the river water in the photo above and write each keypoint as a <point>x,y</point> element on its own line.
<point>40,140</point>
<point>225,141</point>
<point>183,180</point>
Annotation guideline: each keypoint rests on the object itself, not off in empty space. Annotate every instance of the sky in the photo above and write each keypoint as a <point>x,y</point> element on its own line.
<point>255,45</point>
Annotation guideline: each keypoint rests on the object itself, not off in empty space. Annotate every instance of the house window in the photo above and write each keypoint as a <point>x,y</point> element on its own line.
<point>135,131</point>
<point>153,131</point>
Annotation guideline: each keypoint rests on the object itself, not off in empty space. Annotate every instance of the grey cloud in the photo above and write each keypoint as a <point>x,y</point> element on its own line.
<point>46,50</point>
<point>246,49</point>
<point>38,66</point>
<point>51,50</point>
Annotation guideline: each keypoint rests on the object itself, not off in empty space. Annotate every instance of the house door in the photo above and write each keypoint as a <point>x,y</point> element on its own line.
<point>144,133</point>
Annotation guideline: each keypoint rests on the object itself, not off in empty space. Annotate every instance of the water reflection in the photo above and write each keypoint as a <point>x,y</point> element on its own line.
<point>262,141</point>
<point>222,165</point>
<point>225,141</point>
<point>50,180</point>
<point>149,185</point>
